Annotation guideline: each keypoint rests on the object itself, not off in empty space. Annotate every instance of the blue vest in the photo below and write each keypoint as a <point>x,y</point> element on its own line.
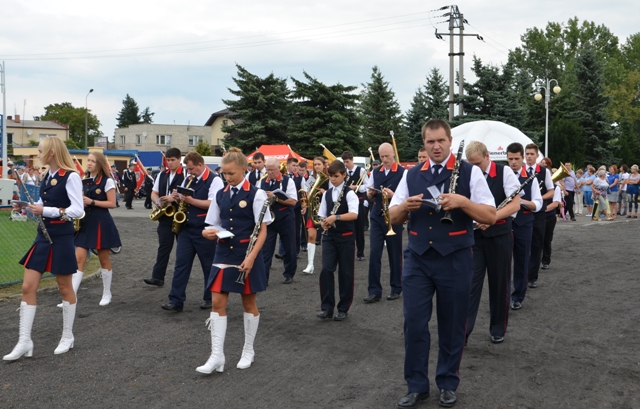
<point>297,179</point>
<point>541,174</point>
<point>390,180</point>
<point>96,191</point>
<point>525,216</point>
<point>425,228</point>
<point>178,178</point>
<point>196,215</point>
<point>253,178</point>
<point>281,211</point>
<point>495,180</point>
<point>236,215</point>
<point>344,230</point>
<point>54,194</point>
<point>357,172</point>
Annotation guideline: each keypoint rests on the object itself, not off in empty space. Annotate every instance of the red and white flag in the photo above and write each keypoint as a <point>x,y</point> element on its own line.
<point>141,173</point>
<point>165,162</point>
<point>79,167</point>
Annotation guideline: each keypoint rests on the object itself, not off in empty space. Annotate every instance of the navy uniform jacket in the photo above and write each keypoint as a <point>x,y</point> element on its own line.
<point>495,180</point>
<point>281,211</point>
<point>178,178</point>
<point>196,215</point>
<point>541,174</point>
<point>98,230</point>
<point>525,216</point>
<point>54,194</point>
<point>345,230</point>
<point>390,181</point>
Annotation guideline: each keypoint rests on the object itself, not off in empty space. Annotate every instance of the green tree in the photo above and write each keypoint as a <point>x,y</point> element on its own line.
<point>147,116</point>
<point>325,114</point>
<point>65,113</point>
<point>203,148</point>
<point>566,141</point>
<point>261,114</point>
<point>380,113</point>
<point>129,114</point>
<point>71,144</point>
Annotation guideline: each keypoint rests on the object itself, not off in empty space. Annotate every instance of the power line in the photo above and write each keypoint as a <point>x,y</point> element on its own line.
<point>34,56</point>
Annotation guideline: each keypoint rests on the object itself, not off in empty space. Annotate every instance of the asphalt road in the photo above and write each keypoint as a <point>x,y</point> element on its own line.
<point>574,344</point>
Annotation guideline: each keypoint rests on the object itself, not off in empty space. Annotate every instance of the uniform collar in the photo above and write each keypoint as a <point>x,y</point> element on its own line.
<point>394,167</point>
<point>277,180</point>
<point>245,185</point>
<point>523,172</point>
<point>492,171</point>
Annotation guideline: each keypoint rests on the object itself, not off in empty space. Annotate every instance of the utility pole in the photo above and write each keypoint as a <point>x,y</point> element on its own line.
<point>456,20</point>
<point>5,139</point>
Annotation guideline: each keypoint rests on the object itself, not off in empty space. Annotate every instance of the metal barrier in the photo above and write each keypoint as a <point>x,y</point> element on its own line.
<point>17,232</point>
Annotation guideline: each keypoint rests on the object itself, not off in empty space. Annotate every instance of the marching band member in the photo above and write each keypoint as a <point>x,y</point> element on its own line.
<point>60,200</point>
<point>259,171</point>
<point>522,227</point>
<point>284,223</point>
<point>164,185</point>
<point>312,229</point>
<point>354,174</point>
<point>386,177</point>
<point>438,260</point>
<point>338,243</point>
<point>190,240</point>
<point>97,231</point>
<point>493,244</point>
<point>237,209</point>
<point>292,168</point>
<point>556,203</point>
<point>546,188</point>
<point>129,182</point>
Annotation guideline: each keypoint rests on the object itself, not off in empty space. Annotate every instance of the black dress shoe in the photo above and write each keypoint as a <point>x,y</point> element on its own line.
<point>360,258</point>
<point>447,398</point>
<point>154,281</point>
<point>371,298</point>
<point>287,280</point>
<point>516,305</point>
<point>340,316</point>
<point>279,256</point>
<point>496,339</point>
<point>171,307</point>
<point>410,400</point>
<point>206,305</point>
<point>393,296</point>
<point>325,314</point>
<point>533,284</point>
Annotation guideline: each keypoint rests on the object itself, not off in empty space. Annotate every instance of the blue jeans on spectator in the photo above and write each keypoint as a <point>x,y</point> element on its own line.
<point>588,198</point>
<point>633,200</point>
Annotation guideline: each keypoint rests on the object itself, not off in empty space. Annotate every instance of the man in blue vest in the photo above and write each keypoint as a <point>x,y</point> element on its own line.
<point>190,240</point>
<point>161,195</point>
<point>283,223</point>
<point>258,171</point>
<point>522,227</point>
<point>384,180</point>
<point>493,244</point>
<point>438,260</point>
<point>354,174</point>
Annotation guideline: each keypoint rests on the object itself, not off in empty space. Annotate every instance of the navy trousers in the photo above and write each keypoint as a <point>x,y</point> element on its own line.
<point>548,237</point>
<point>165,245</point>
<point>450,278</point>
<point>537,244</point>
<point>285,228</point>
<point>521,254</point>
<point>360,223</point>
<point>491,255</point>
<point>337,254</point>
<point>190,244</point>
<point>377,236</point>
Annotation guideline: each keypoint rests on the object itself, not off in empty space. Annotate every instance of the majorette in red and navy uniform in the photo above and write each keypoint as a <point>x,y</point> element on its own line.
<point>98,230</point>
<point>59,257</point>
<point>236,214</point>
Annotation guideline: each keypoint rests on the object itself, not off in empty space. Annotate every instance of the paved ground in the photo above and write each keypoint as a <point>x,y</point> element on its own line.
<point>574,344</point>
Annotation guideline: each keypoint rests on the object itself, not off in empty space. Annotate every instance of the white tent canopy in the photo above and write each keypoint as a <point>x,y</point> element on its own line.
<point>495,135</point>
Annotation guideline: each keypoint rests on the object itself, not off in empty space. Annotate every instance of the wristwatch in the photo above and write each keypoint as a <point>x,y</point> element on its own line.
<point>93,202</point>
<point>337,217</point>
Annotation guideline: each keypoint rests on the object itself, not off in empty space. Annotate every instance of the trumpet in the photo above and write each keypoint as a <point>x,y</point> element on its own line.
<point>180,216</point>
<point>165,210</point>
<point>385,211</point>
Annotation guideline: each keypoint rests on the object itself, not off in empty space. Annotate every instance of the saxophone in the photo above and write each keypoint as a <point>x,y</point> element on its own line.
<point>180,216</point>
<point>77,222</point>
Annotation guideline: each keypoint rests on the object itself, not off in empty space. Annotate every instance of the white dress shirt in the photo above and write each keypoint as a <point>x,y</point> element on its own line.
<point>536,197</point>
<point>156,183</point>
<point>74,191</point>
<point>213,214</point>
<point>369,181</point>
<point>352,200</point>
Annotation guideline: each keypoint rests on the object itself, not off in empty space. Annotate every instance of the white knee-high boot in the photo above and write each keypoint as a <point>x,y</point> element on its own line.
<point>76,279</point>
<point>250,328</point>
<point>106,286</point>
<point>25,344</point>
<point>311,252</point>
<point>218,327</point>
<point>68,316</point>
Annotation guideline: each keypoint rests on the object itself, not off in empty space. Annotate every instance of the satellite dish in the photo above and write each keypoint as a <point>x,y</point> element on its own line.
<point>144,134</point>
<point>29,132</point>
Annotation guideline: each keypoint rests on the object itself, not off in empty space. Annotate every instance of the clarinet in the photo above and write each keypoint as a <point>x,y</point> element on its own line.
<point>39,218</point>
<point>453,183</point>
<point>336,206</point>
<point>516,192</point>
<point>254,234</point>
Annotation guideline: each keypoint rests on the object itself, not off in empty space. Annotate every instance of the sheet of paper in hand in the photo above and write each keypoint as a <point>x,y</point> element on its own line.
<point>280,194</point>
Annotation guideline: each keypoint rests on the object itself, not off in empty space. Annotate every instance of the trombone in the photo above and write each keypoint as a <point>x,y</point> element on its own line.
<point>395,147</point>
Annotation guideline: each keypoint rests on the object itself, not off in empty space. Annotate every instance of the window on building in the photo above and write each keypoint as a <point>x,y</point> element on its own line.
<point>9,139</point>
<point>225,122</point>
<point>163,139</point>
<point>122,139</point>
<point>195,139</point>
<point>138,139</point>
<point>44,135</point>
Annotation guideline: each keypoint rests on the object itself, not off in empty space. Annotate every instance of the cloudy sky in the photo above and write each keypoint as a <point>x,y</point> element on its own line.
<point>178,57</point>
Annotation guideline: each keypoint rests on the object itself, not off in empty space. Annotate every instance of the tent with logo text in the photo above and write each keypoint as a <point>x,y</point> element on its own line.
<point>495,135</point>
<point>280,152</point>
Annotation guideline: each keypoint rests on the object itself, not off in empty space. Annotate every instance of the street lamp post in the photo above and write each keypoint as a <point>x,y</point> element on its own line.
<point>86,120</point>
<point>547,96</point>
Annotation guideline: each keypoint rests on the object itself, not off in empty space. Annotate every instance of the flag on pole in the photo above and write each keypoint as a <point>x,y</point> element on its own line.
<point>78,167</point>
<point>141,173</point>
<point>165,162</point>
<point>327,153</point>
